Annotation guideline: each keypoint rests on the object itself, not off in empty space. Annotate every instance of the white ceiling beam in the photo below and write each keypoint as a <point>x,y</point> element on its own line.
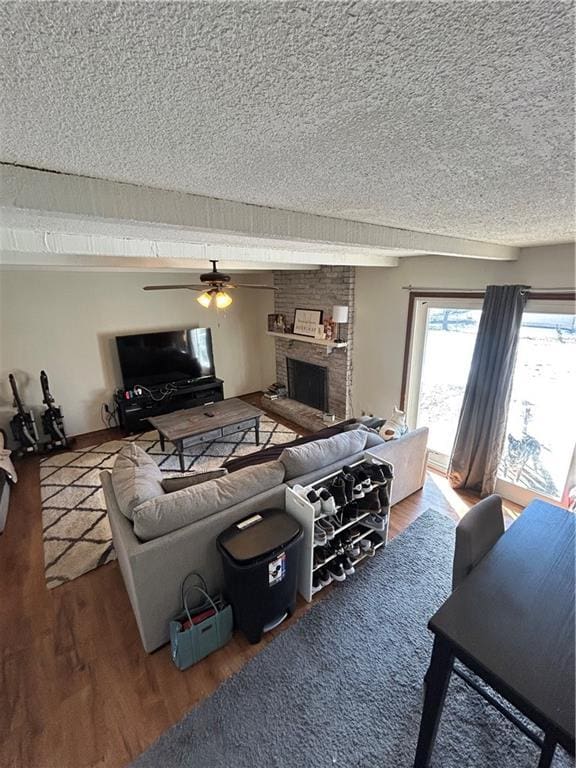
<point>10,261</point>
<point>63,195</point>
<point>24,221</point>
<point>45,247</point>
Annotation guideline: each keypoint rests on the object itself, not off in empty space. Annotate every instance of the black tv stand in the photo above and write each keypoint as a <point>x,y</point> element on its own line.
<point>136,405</point>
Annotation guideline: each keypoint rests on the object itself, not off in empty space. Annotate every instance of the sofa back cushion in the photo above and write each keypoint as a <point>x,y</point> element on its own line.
<point>135,478</point>
<point>171,511</point>
<point>302,459</point>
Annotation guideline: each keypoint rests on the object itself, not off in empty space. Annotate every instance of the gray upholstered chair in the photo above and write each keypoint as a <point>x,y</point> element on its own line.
<point>476,534</point>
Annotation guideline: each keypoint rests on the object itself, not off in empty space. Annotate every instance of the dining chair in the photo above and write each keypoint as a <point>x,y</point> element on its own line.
<point>476,534</point>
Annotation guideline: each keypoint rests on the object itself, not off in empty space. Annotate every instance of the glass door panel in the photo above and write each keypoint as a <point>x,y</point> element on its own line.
<point>449,338</point>
<point>541,426</point>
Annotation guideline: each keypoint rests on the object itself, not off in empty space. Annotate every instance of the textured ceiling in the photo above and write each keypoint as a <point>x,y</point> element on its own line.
<point>454,118</point>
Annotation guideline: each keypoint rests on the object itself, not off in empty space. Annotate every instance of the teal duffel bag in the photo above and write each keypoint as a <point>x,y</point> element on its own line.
<point>201,629</point>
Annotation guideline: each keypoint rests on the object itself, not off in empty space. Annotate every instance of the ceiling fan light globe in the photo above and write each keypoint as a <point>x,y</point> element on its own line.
<point>205,299</point>
<point>223,300</point>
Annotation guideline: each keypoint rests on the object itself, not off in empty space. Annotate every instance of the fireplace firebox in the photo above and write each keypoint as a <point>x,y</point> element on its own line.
<point>308,383</point>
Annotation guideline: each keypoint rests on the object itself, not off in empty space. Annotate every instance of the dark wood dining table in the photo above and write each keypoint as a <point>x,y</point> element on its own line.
<point>511,622</point>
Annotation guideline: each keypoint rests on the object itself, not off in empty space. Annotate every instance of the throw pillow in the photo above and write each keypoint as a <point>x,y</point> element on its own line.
<point>135,478</point>
<point>373,438</point>
<point>172,511</point>
<point>171,484</point>
<point>302,459</point>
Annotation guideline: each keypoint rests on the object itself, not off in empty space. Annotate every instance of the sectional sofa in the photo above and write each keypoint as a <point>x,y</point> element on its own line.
<point>161,537</point>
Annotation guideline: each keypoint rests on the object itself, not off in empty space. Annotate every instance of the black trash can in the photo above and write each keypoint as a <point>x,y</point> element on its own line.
<point>261,556</point>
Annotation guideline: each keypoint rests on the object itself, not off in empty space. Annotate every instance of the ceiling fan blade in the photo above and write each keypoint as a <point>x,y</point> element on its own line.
<point>174,287</point>
<point>251,285</point>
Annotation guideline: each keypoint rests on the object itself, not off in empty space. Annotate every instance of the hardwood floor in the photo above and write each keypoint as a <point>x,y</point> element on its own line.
<point>77,688</point>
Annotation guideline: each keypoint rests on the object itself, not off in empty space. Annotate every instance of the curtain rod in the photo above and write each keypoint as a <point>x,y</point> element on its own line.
<point>426,288</point>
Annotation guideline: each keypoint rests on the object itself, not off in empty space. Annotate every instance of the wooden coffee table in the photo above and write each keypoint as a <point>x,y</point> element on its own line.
<point>205,423</point>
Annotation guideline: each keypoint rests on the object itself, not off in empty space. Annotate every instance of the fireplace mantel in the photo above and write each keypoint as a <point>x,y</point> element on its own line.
<point>327,343</point>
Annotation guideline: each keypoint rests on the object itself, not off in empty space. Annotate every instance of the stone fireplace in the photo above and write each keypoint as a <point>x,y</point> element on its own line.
<point>318,289</point>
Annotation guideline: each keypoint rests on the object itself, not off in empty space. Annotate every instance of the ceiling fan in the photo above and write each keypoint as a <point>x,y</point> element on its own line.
<point>212,285</point>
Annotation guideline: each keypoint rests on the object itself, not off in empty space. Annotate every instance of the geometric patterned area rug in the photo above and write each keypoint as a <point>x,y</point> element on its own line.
<point>76,532</point>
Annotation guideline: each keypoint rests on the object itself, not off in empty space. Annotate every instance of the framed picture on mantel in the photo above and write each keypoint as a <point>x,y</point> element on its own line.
<point>306,321</point>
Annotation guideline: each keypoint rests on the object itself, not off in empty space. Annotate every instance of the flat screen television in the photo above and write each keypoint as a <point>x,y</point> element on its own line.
<point>151,359</point>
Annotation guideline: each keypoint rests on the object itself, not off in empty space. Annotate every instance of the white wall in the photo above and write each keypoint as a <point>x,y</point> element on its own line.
<point>382,308</point>
<point>65,322</point>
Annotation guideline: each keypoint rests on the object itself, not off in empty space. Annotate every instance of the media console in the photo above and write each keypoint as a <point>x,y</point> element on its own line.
<point>136,406</point>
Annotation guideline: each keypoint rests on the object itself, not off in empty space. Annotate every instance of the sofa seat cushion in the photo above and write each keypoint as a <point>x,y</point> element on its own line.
<point>302,459</point>
<point>172,511</point>
<point>136,478</point>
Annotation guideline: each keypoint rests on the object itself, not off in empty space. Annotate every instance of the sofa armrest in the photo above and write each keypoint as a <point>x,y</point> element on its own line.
<point>408,454</point>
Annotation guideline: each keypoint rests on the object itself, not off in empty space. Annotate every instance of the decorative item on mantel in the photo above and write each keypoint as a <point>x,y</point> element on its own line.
<point>339,316</point>
<point>277,323</point>
<point>306,322</point>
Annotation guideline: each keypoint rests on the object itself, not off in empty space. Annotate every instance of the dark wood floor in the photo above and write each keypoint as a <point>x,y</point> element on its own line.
<point>76,687</point>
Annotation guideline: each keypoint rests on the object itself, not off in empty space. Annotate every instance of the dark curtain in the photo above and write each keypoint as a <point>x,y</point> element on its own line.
<point>482,425</point>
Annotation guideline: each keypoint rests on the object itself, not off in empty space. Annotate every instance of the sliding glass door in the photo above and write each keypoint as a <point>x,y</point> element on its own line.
<point>541,425</point>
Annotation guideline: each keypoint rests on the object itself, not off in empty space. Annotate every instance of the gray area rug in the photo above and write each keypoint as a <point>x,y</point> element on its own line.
<point>76,532</point>
<point>342,687</point>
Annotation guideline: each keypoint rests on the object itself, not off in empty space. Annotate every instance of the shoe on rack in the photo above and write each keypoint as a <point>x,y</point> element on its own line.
<point>316,584</point>
<point>375,473</point>
<point>320,537</point>
<point>370,552</point>
<point>371,502</point>
<point>324,577</point>
<point>353,486</point>
<point>375,522</point>
<point>365,544</point>
<point>359,474</point>
<point>349,483</point>
<point>327,501</point>
<point>320,556</point>
<point>376,540</point>
<point>384,495</point>
<point>336,570</point>
<point>358,492</point>
<point>387,471</point>
<point>338,546</point>
<point>327,526</point>
<point>314,499</point>
<point>347,565</point>
<point>363,478</point>
<point>338,491</point>
<point>350,513</point>
<point>354,510</point>
<point>351,547</point>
